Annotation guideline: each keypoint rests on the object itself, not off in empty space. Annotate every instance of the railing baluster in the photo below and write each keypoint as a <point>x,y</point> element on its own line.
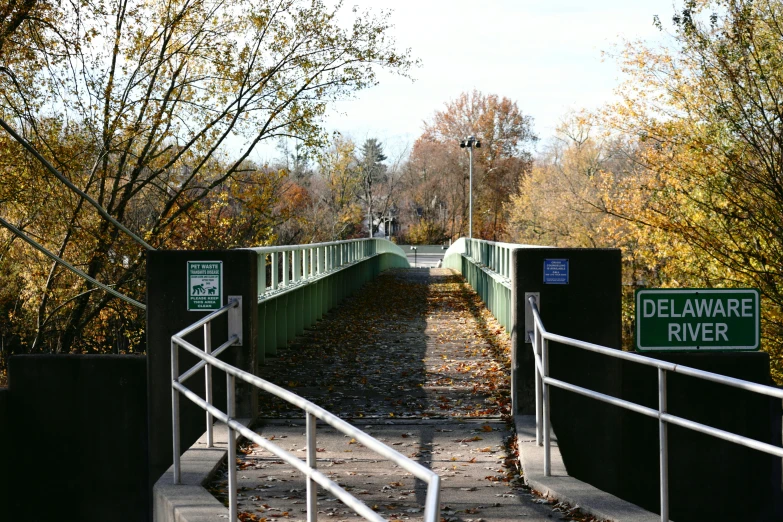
<point>261,275</point>
<point>285,255</point>
<point>274,270</point>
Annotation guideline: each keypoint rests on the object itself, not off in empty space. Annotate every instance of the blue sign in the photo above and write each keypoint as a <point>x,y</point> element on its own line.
<point>555,271</point>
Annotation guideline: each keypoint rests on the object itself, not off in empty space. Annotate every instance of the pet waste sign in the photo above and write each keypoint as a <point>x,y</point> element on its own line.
<point>205,285</point>
<point>697,319</point>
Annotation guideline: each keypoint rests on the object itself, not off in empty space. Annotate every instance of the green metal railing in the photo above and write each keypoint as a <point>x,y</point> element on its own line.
<point>298,284</point>
<point>487,267</point>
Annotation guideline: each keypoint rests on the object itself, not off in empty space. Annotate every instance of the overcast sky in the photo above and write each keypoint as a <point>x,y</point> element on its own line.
<point>544,54</point>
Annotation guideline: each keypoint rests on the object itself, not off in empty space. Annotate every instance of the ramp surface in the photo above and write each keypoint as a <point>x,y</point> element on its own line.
<point>416,361</point>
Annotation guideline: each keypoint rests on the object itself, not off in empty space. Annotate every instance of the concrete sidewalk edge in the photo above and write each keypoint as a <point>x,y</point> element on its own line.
<point>568,489</point>
<point>190,501</point>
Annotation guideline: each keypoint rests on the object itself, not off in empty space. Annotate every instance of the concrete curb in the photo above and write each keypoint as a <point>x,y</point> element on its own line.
<point>190,501</point>
<point>568,489</point>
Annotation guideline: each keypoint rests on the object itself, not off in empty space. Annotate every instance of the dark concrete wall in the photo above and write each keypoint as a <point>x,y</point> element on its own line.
<point>588,308</point>
<point>168,314</point>
<point>5,454</point>
<point>704,471</point>
<point>78,437</point>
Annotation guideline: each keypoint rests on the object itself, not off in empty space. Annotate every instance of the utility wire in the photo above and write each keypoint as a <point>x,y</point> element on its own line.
<point>69,266</point>
<point>71,186</point>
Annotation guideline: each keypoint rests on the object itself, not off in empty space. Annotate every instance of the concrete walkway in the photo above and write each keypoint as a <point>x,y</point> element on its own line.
<point>416,361</point>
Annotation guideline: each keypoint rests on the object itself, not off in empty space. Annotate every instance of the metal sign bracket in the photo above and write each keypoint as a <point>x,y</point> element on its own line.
<point>529,322</point>
<point>235,319</point>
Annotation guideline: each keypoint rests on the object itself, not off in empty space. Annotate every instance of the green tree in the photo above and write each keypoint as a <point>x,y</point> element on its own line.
<point>373,173</point>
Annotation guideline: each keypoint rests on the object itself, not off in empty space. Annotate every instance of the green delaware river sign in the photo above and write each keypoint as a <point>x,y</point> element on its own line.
<point>697,319</point>
<point>205,285</point>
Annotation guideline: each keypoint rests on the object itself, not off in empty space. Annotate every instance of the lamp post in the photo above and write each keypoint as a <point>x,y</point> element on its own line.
<point>469,143</point>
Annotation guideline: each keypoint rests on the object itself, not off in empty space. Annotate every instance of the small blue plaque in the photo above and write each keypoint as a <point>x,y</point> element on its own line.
<point>555,271</point>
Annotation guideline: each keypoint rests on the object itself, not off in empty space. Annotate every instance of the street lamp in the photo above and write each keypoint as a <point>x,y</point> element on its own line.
<point>389,221</point>
<point>469,143</point>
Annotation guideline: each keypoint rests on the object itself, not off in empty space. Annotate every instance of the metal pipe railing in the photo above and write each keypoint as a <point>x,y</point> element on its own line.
<point>291,266</point>
<point>313,413</point>
<point>543,381</point>
<point>492,255</point>
<point>487,267</point>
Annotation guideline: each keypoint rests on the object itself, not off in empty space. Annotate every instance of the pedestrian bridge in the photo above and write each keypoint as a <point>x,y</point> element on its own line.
<point>402,389</point>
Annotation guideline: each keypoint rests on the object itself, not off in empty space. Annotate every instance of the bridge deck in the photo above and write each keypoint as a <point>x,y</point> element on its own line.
<point>416,361</point>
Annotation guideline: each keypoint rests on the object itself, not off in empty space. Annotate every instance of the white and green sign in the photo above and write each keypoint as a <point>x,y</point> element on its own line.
<point>205,285</point>
<point>697,319</point>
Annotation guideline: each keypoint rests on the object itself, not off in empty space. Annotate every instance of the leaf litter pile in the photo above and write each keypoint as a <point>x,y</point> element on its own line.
<point>415,360</point>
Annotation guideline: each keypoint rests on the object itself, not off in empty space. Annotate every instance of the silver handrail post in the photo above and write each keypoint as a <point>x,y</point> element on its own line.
<point>539,387</point>
<point>175,411</point>
<point>664,445</point>
<point>232,450</point>
<point>208,381</point>
<point>547,411</point>
<point>312,488</point>
<point>432,505</point>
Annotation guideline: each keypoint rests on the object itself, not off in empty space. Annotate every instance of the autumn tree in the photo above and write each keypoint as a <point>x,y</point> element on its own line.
<point>559,202</point>
<point>506,135</point>
<point>334,211</point>
<point>154,109</point>
<point>431,193</point>
<point>706,112</point>
<point>567,198</point>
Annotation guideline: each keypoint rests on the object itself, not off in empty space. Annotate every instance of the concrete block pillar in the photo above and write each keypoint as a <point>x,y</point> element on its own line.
<point>580,297</point>
<point>167,313</point>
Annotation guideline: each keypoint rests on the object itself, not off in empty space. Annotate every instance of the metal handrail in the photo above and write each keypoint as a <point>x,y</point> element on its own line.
<point>540,348</point>
<point>313,412</point>
<point>285,248</point>
<point>303,264</point>
<point>487,267</point>
<point>493,257</point>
